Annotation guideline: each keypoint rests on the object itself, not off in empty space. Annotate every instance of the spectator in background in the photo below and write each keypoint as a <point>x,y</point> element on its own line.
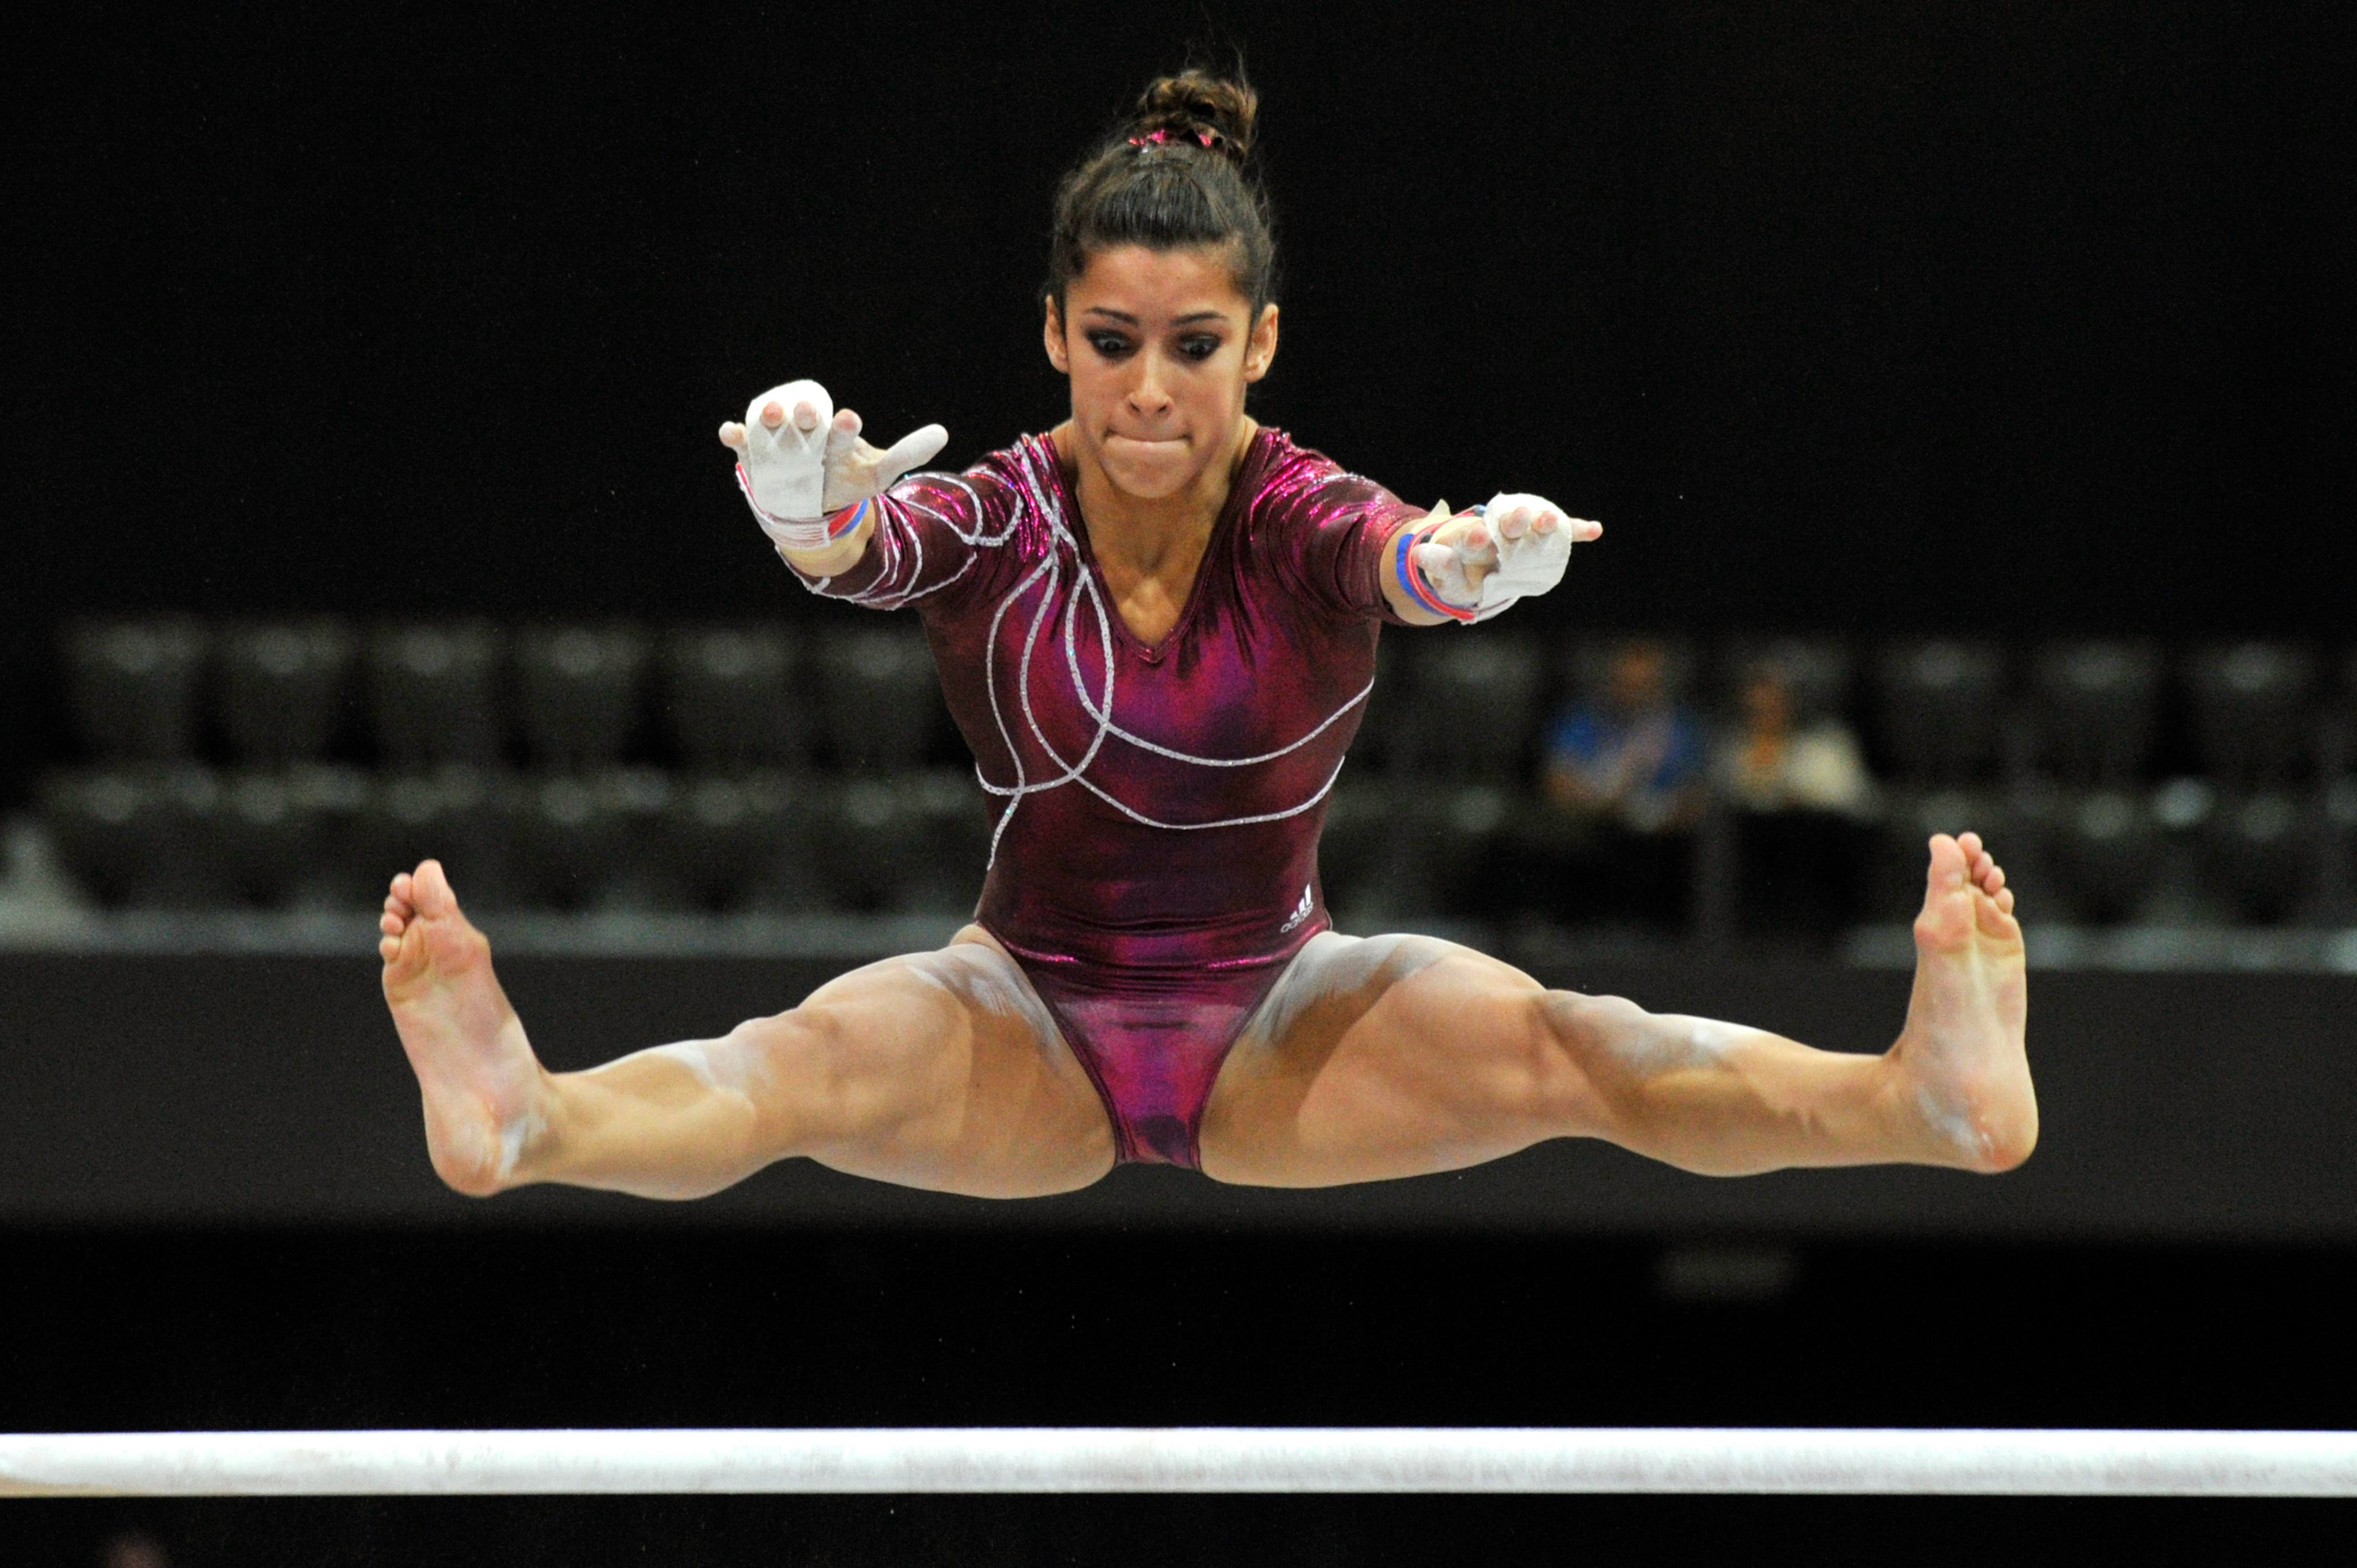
<point>1625,781</point>
<point>1802,795</point>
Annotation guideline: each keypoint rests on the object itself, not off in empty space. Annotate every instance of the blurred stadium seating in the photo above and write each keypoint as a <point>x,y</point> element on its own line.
<point>617,768</point>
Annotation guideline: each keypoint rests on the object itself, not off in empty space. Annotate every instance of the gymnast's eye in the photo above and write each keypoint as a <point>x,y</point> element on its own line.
<point>1199,345</point>
<point>1111,345</point>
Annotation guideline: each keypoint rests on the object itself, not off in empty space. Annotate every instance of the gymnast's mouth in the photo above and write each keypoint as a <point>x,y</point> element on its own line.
<point>1156,441</point>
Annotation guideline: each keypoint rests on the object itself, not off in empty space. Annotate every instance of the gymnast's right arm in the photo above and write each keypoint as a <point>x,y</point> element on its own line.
<point>812,482</point>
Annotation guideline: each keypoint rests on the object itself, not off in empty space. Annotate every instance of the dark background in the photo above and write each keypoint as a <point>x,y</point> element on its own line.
<point>2013,318</point>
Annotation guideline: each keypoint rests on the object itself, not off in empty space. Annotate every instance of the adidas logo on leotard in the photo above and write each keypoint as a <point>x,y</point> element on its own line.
<point>1300,911</point>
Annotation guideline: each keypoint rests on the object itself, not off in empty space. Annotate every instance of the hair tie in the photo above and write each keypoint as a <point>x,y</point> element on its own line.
<point>1161,134</point>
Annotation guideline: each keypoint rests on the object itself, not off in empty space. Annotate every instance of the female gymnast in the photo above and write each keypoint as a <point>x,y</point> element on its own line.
<point>1155,627</point>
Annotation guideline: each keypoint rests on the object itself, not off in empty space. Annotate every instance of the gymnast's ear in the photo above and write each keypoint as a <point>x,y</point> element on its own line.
<point>1057,355</point>
<point>1260,351</point>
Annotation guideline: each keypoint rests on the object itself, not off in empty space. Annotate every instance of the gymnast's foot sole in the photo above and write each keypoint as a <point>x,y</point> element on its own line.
<point>1964,1070</point>
<point>474,1070</point>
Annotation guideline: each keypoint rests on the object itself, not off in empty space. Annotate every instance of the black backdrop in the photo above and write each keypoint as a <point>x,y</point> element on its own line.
<point>1848,314</point>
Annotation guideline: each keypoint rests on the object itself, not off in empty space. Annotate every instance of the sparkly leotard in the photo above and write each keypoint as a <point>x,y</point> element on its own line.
<point>1154,861</point>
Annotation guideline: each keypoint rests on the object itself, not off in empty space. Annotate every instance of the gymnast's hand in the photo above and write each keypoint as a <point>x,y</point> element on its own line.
<point>1517,545</point>
<point>801,459</point>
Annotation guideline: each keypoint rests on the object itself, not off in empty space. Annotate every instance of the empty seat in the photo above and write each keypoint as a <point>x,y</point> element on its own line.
<point>912,842</point>
<point>2336,854</point>
<point>731,698</point>
<point>1940,709</point>
<point>456,814</point>
<point>282,689</point>
<point>2097,705</point>
<point>734,841</point>
<point>434,695</point>
<point>578,693</point>
<point>2268,849</point>
<point>141,836</point>
<point>2105,853</point>
<point>591,841</point>
<point>2253,707</point>
<point>132,687</point>
<point>1477,706</point>
<point>879,700</point>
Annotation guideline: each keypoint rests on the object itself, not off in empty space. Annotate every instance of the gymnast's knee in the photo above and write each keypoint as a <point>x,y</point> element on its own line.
<point>1592,1049</point>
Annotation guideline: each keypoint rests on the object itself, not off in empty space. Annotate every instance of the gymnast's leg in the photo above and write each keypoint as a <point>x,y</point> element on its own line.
<point>937,1069</point>
<point>1398,1055</point>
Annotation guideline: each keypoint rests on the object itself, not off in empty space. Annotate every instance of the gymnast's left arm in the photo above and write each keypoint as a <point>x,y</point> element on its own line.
<point>1472,566</point>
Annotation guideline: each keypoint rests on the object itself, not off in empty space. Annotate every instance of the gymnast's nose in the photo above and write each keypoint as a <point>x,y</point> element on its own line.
<point>1149,395</point>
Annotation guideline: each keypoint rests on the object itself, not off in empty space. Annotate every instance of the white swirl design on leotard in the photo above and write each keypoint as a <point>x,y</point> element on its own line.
<point>901,570</point>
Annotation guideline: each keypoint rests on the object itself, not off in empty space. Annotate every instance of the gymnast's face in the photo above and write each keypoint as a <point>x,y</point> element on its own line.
<point>1159,347</point>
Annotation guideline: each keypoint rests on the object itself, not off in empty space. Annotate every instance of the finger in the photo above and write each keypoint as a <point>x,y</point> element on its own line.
<point>919,446</point>
<point>732,434</point>
<point>1445,566</point>
<point>1548,520</point>
<point>843,433</point>
<point>1584,529</point>
<point>805,417</point>
<point>1511,522</point>
<point>773,414</point>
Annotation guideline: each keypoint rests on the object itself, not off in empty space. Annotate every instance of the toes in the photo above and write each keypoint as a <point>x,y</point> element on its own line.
<point>1947,869</point>
<point>391,924</point>
<point>1970,842</point>
<point>388,948</point>
<point>432,893</point>
<point>2004,900</point>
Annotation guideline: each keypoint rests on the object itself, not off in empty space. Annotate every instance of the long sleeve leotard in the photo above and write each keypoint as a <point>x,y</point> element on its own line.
<point>1153,859</point>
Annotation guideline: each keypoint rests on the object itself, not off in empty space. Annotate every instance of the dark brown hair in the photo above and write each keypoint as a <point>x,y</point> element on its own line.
<point>1178,174</point>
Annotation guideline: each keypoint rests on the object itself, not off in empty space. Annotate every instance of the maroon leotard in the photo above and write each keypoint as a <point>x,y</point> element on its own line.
<point>1155,862</point>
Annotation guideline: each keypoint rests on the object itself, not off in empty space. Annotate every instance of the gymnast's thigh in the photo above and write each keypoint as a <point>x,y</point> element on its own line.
<point>943,1070</point>
<point>1384,1057</point>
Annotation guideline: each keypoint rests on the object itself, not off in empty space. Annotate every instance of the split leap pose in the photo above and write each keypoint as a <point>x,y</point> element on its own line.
<point>1155,627</point>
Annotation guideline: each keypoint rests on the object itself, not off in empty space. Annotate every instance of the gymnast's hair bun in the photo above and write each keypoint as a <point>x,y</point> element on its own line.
<point>1195,102</point>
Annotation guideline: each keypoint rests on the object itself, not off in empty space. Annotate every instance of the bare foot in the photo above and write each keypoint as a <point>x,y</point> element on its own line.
<point>1963,1069</point>
<point>474,1067</point>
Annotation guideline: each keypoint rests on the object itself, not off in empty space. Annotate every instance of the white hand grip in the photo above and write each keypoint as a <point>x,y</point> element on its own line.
<point>784,470</point>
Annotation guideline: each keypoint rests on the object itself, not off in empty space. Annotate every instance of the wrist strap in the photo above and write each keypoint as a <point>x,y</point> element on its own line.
<point>1412,578</point>
<point>803,533</point>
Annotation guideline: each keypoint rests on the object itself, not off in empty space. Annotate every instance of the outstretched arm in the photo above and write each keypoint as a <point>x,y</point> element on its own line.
<point>1473,566</point>
<point>810,478</point>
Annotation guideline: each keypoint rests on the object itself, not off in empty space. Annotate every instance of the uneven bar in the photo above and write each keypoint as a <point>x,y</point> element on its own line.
<point>2086,1462</point>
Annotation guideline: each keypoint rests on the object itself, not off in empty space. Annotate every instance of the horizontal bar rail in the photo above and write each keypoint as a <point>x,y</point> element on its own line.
<point>1183,1459</point>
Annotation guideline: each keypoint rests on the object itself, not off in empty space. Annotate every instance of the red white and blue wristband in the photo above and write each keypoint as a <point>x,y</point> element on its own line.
<point>803,532</point>
<point>1412,578</point>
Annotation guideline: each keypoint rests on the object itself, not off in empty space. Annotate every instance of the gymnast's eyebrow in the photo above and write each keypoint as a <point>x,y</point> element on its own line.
<point>1125,316</point>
